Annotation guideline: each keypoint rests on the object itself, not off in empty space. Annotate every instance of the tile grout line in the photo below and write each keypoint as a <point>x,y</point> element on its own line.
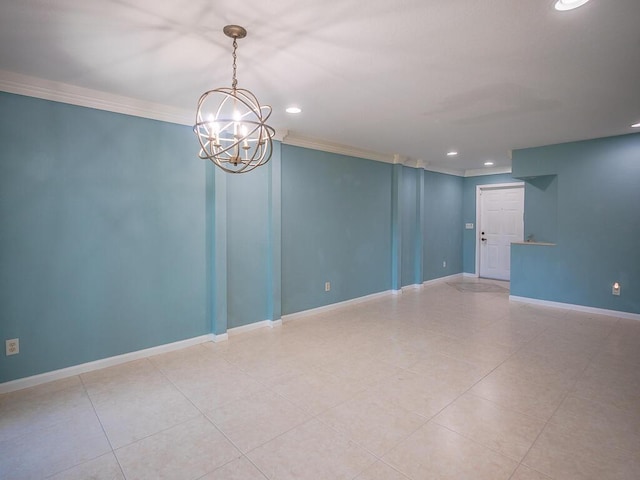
<point>313,417</point>
<point>564,397</point>
<point>432,417</point>
<point>478,381</point>
<point>151,434</point>
<point>113,452</point>
<point>590,359</point>
<point>243,454</point>
<point>204,415</point>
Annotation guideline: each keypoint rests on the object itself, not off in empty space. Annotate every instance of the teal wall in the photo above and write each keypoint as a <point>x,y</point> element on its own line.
<point>247,247</point>
<point>442,225</point>
<point>541,209</point>
<point>430,215</point>
<point>336,227</point>
<point>102,244</point>
<point>594,213</point>
<point>469,215</point>
<point>115,237</point>
<point>409,226</point>
<point>243,243</point>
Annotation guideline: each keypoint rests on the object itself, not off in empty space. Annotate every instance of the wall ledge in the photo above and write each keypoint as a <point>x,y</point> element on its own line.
<point>576,308</point>
<point>544,244</point>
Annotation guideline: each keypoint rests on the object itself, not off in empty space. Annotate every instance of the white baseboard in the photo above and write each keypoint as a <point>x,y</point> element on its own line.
<point>41,378</point>
<point>470,275</point>
<point>333,306</point>
<point>442,279</point>
<point>366,298</point>
<point>34,380</point>
<point>418,286</point>
<point>577,308</point>
<point>253,326</point>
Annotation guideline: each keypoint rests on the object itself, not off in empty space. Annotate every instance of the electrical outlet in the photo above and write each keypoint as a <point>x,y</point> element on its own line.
<point>615,290</point>
<point>444,264</point>
<point>327,286</point>
<point>12,346</point>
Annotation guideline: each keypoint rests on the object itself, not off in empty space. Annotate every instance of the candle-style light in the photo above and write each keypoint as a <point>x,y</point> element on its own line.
<point>231,124</point>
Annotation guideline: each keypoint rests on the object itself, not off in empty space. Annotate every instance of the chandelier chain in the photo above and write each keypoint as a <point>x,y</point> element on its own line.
<point>234,82</point>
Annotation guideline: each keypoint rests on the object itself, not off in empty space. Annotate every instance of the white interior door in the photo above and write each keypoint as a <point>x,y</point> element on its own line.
<point>501,222</point>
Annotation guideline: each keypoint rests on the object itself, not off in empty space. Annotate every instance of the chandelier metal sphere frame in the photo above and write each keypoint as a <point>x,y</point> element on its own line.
<point>231,124</point>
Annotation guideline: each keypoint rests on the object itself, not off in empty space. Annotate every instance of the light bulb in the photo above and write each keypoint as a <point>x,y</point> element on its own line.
<point>214,131</point>
<point>564,5</point>
<point>245,143</point>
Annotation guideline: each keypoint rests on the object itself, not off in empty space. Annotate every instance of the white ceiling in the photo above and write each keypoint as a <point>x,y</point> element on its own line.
<point>415,78</point>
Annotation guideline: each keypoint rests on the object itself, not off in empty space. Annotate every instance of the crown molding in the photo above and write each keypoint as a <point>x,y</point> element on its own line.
<point>479,172</point>
<point>280,134</point>
<point>413,162</point>
<point>19,84</point>
<point>84,97</point>
<point>316,144</point>
<point>296,140</point>
<point>399,159</point>
<point>445,170</point>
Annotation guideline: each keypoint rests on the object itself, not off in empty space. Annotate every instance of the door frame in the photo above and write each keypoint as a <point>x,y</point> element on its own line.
<point>479,188</point>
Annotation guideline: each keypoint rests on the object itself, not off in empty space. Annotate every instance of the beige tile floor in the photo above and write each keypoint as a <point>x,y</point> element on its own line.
<point>438,383</point>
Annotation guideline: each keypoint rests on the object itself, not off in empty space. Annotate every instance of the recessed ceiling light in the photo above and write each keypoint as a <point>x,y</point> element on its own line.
<point>293,110</point>
<point>452,154</point>
<point>563,5</point>
<point>636,125</point>
<point>488,164</point>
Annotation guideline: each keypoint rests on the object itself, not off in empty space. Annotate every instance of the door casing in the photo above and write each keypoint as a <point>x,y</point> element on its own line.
<point>479,189</point>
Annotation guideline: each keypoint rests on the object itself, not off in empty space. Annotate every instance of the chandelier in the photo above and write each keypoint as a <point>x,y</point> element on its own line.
<point>231,124</point>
